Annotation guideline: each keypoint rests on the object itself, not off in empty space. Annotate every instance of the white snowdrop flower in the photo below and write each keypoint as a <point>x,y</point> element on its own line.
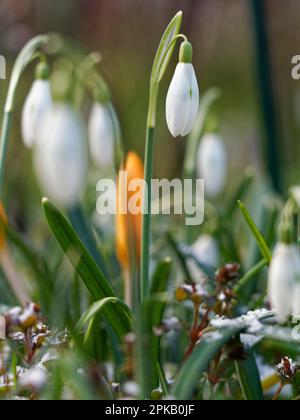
<point>37,104</point>
<point>283,273</point>
<point>182,103</point>
<point>61,157</point>
<point>206,250</point>
<point>212,164</point>
<point>103,130</point>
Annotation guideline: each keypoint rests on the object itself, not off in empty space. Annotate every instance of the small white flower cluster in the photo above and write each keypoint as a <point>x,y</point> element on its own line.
<point>284,281</point>
<point>250,322</point>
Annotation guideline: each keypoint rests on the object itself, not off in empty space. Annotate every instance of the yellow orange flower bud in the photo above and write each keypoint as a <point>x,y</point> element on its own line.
<point>128,226</point>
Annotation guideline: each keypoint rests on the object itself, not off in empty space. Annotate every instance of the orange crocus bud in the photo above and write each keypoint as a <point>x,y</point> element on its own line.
<point>3,223</point>
<point>129,226</point>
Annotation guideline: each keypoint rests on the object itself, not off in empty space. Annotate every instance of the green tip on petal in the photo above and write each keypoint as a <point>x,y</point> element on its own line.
<point>42,71</point>
<point>186,52</point>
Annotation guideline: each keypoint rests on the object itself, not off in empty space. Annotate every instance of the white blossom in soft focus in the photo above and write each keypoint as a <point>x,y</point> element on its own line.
<point>182,101</point>
<point>103,129</point>
<point>37,105</point>
<point>206,250</point>
<point>33,379</point>
<point>282,280</point>
<point>212,164</point>
<point>61,156</point>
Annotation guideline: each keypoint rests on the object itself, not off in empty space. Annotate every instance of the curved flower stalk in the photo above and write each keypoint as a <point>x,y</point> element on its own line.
<point>37,105</point>
<point>60,156</point>
<point>104,130</point>
<point>182,103</point>
<point>283,280</point>
<point>129,226</point>
<point>212,164</point>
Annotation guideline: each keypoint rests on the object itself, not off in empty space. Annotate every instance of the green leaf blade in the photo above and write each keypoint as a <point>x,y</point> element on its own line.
<point>198,363</point>
<point>249,379</point>
<point>165,49</point>
<point>263,247</point>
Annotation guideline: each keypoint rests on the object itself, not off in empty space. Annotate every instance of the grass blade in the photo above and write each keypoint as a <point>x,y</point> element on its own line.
<point>97,307</point>
<point>165,49</point>
<point>198,363</point>
<point>86,267</point>
<point>264,249</point>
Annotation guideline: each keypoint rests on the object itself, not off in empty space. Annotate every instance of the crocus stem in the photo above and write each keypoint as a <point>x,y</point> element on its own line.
<point>83,228</point>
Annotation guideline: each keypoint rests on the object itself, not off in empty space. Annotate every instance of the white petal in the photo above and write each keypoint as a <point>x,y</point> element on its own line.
<point>37,104</point>
<point>101,136</point>
<point>282,273</point>
<point>178,99</point>
<point>212,164</point>
<point>61,158</point>
<point>193,107</point>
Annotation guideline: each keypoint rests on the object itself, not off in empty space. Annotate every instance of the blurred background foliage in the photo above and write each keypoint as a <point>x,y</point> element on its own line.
<point>127,34</point>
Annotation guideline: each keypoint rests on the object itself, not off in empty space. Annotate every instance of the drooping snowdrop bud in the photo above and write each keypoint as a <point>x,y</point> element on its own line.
<point>103,130</point>
<point>212,164</point>
<point>37,104</point>
<point>183,97</point>
<point>283,274</point>
<point>61,157</point>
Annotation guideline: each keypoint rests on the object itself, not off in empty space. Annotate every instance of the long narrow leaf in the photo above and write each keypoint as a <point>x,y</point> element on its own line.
<point>85,266</point>
<point>249,378</point>
<point>97,307</point>
<point>166,48</point>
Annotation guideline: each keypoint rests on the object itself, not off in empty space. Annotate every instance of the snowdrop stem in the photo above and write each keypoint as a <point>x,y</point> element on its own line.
<point>160,64</point>
<point>146,228</point>
<point>24,59</point>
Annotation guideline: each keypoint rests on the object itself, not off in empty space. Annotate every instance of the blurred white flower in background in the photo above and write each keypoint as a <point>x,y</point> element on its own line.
<point>38,103</point>
<point>103,130</point>
<point>212,164</point>
<point>283,281</point>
